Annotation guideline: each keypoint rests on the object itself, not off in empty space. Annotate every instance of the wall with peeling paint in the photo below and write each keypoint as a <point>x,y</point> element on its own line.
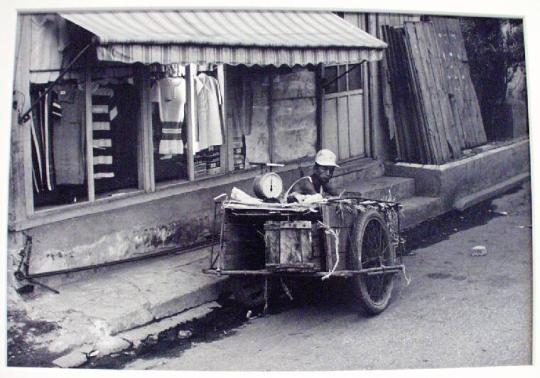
<point>182,221</point>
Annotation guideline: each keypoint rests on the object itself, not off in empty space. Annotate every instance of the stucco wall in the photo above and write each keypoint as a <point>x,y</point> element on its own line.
<point>453,181</point>
<point>181,220</point>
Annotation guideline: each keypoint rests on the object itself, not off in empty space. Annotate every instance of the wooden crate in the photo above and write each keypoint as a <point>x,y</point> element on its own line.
<point>291,246</point>
<point>242,245</point>
<point>341,221</point>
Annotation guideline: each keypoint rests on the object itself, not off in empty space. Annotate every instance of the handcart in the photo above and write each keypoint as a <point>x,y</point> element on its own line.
<point>346,237</point>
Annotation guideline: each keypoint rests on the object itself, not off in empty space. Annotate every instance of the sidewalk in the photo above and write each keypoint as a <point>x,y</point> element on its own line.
<point>92,316</point>
<point>118,309</point>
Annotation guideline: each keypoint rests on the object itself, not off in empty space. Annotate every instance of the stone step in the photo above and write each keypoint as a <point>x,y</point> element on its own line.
<point>357,170</point>
<point>129,297</point>
<point>416,210</point>
<point>385,188</point>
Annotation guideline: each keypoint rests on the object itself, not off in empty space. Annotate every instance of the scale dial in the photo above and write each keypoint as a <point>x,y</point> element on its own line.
<point>268,186</point>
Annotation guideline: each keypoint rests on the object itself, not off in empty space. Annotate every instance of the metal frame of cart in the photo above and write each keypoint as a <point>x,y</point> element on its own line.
<point>349,236</point>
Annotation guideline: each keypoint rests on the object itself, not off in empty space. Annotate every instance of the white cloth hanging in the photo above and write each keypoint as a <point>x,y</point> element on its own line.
<point>209,100</point>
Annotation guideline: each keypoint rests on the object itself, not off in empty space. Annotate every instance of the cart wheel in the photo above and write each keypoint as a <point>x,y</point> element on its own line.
<point>371,248</point>
<point>248,290</point>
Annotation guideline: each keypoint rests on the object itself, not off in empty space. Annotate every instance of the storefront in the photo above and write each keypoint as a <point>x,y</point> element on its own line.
<point>139,119</point>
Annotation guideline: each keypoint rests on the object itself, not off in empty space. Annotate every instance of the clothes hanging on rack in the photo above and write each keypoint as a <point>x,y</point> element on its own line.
<point>48,150</point>
<point>170,94</point>
<point>103,113</point>
<point>209,100</point>
<point>68,135</point>
<point>242,109</point>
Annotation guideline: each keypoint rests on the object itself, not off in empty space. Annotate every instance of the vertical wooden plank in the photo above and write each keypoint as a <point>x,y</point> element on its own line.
<point>21,195</point>
<point>191,119</point>
<point>330,130</point>
<point>227,96</point>
<point>356,125</point>
<point>145,146</point>
<point>423,119</point>
<point>352,18</point>
<point>443,91</point>
<point>271,131</point>
<point>367,118</point>
<point>343,151</point>
<point>377,142</point>
<point>225,152</point>
<point>26,167</point>
<point>89,137</point>
<point>432,110</point>
<point>320,109</point>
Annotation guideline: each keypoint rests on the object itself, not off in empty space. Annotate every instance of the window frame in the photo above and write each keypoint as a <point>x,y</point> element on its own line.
<point>148,190</point>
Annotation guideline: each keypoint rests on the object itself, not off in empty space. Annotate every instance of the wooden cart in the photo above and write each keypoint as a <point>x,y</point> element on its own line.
<point>350,237</point>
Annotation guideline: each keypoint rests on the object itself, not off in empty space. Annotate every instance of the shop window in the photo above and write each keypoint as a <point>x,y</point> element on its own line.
<point>343,78</point>
<point>92,143</point>
<point>60,135</point>
<point>114,133</point>
<point>208,130</point>
<point>58,145</point>
<point>170,125</point>
<point>168,96</point>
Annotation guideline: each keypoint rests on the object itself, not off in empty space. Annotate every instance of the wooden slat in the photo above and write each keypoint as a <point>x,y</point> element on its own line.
<point>356,125</point>
<point>397,75</point>
<point>417,145</point>
<point>431,94</point>
<point>452,70</point>
<point>441,87</point>
<point>330,131</point>
<point>225,154</point>
<point>145,148</point>
<point>343,128</point>
<point>467,111</point>
<point>191,119</point>
<point>419,90</point>
<point>89,138</point>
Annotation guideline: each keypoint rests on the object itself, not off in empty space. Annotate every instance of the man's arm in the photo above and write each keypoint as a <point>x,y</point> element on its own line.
<point>304,186</point>
<point>331,189</point>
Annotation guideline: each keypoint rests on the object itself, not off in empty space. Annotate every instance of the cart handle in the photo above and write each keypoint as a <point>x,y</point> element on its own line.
<point>218,198</point>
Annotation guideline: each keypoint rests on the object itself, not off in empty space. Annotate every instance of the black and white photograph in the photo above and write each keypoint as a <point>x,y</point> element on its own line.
<point>267,188</point>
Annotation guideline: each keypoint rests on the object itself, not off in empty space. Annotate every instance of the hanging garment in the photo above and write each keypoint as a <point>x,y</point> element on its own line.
<point>103,113</point>
<point>68,135</point>
<point>170,94</point>
<point>242,109</point>
<point>47,144</point>
<point>37,150</point>
<point>209,100</point>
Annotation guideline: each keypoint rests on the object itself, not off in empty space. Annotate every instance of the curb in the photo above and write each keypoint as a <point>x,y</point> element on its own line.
<point>132,342</point>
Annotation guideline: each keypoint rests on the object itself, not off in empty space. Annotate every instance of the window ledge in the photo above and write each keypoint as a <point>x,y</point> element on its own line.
<point>119,201</point>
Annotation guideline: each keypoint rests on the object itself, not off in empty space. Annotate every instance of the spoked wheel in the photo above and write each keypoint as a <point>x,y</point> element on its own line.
<point>371,248</point>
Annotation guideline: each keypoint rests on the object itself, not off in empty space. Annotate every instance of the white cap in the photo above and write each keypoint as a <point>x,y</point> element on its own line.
<point>326,157</point>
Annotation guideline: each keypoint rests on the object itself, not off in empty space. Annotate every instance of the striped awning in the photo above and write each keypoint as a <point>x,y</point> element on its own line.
<point>231,37</point>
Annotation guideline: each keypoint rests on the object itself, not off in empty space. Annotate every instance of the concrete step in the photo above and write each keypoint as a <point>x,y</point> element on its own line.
<point>133,340</point>
<point>115,301</point>
<point>357,170</point>
<point>416,210</point>
<point>385,188</point>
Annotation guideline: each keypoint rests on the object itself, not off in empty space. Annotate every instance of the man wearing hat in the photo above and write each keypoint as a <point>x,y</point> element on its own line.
<point>319,180</point>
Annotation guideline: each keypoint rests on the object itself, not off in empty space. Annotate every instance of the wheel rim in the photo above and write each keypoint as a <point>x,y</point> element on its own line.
<point>376,252</point>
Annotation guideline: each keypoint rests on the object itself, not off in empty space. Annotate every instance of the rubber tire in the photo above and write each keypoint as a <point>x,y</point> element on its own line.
<point>359,282</point>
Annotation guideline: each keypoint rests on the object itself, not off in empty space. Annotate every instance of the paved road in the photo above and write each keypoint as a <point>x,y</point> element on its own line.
<point>459,310</point>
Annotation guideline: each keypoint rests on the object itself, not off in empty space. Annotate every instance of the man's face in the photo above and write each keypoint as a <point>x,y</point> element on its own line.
<point>325,173</point>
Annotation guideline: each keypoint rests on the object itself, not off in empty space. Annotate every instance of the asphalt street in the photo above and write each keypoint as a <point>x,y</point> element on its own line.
<point>459,310</point>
